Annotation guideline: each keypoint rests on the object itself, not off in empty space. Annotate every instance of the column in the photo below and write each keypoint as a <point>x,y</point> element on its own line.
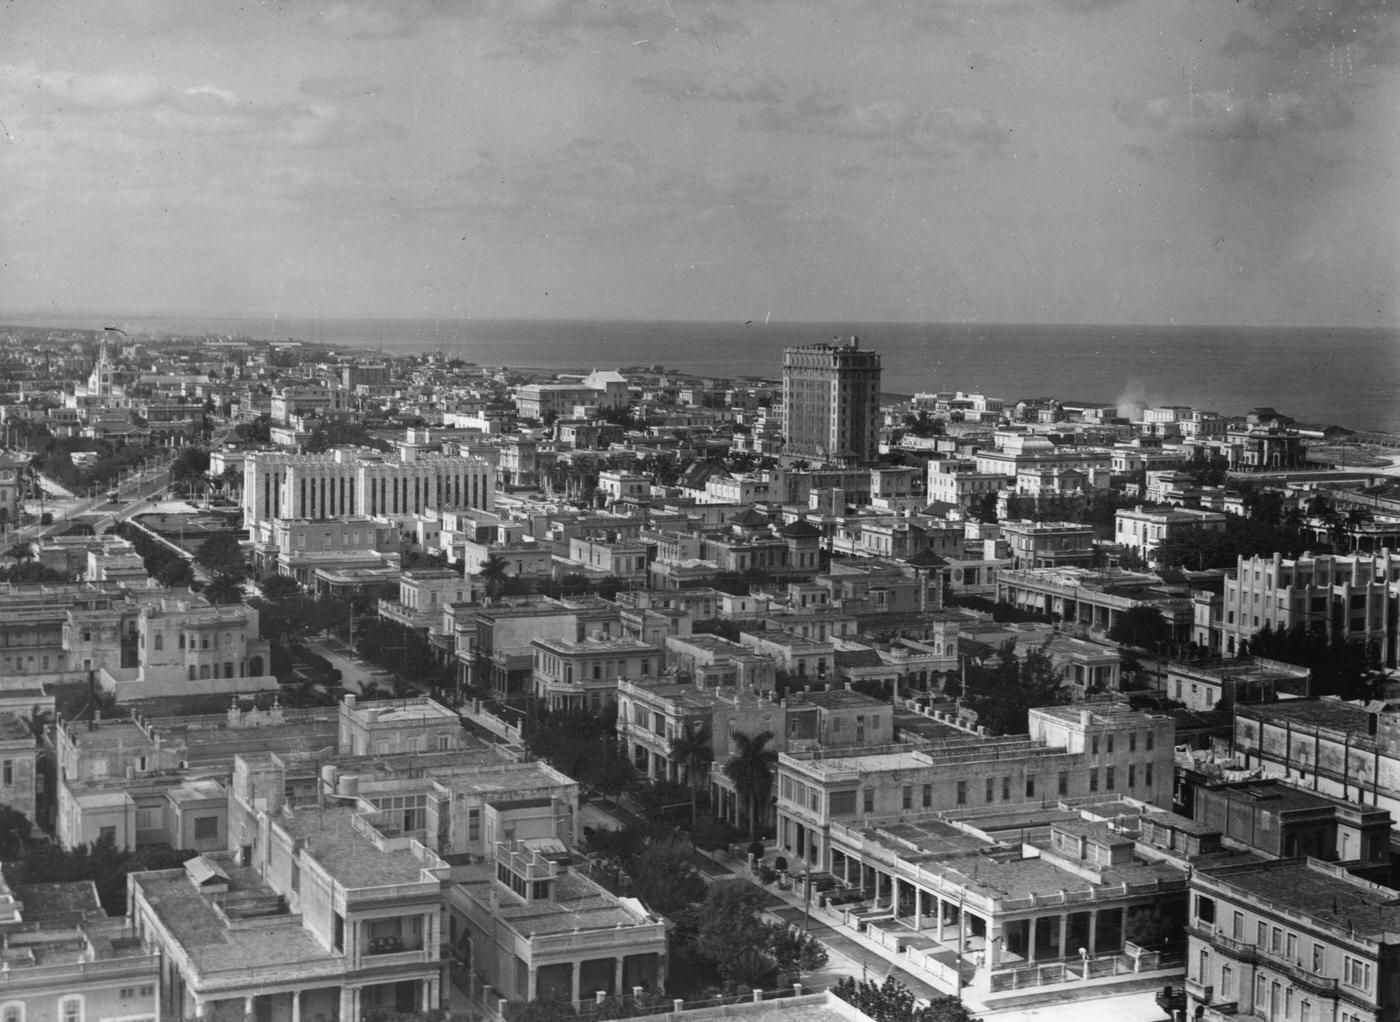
<point>1064,931</point>
<point>995,938</point>
<point>938,916</point>
<point>573,982</point>
<point>918,909</point>
<point>1093,930</point>
<point>617,981</point>
<point>198,1008</point>
<point>248,1006</point>
<point>532,989</point>
<point>1031,925</point>
<point>296,1006</point>
<point>429,1000</point>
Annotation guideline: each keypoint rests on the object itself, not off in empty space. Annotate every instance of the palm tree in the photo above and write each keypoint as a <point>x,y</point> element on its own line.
<point>493,574</point>
<point>691,748</point>
<point>751,769</point>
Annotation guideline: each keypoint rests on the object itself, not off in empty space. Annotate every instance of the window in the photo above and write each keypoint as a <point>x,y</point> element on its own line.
<point>473,824</point>
<point>928,796</point>
<point>1109,740</point>
<point>1227,982</point>
<point>107,834</point>
<point>7,772</point>
<point>1006,789</point>
<point>1149,741</point>
<point>1132,741</point>
<point>1356,973</point>
<point>1205,909</point>
<point>1276,944</point>
<point>1108,778</point>
<point>1030,785</point>
<point>1147,775</point>
<point>206,828</point>
<point>962,793</point>
<point>12,1012</point>
<point>70,1009</point>
<point>1238,931</point>
<point>1317,959</point>
<point>1305,1011</point>
<point>1064,782</point>
<point>868,799</point>
<point>1094,745</point>
<point>1093,779</point>
<point>907,797</point>
<point>1132,775</point>
<point>991,788</point>
<point>1292,947</point>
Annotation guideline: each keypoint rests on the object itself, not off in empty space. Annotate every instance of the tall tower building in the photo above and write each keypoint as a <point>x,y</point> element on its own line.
<point>831,402</point>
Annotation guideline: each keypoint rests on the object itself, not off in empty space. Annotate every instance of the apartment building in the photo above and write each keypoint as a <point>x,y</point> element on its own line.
<point>533,928</point>
<point>345,482</point>
<point>1069,753</point>
<point>324,911</point>
<point>1335,748</point>
<point>1355,597</point>
<point>1144,530</point>
<point>65,959</point>
<point>1210,683</point>
<point>1048,544</point>
<point>583,675</point>
<point>1291,939</point>
<point>831,402</point>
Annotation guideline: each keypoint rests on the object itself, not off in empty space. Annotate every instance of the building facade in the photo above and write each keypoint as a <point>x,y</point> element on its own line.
<point>831,402</point>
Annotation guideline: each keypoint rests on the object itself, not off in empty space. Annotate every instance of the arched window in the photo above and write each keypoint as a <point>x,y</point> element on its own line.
<point>12,1011</point>
<point>70,1009</point>
<point>160,641</point>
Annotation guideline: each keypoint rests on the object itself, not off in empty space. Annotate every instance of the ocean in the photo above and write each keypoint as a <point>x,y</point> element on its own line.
<point>1347,377</point>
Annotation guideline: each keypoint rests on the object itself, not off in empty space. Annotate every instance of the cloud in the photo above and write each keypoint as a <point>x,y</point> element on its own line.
<point>346,86</point>
<point>370,19</point>
<point>1370,28</point>
<point>86,90</point>
<point>740,88</point>
<point>933,131</point>
<point>545,29</point>
<point>1230,114</point>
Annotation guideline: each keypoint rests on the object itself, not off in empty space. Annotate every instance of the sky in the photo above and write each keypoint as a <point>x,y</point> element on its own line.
<point>1065,161</point>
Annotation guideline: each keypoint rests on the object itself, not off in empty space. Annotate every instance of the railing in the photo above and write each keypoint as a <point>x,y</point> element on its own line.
<point>25,974</point>
<point>371,960</point>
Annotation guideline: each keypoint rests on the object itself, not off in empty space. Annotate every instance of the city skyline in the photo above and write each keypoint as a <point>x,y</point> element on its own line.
<point>1078,161</point>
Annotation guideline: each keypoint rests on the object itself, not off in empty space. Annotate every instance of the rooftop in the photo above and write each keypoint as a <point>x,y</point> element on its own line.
<point>278,944</point>
<point>1318,891</point>
<point>340,845</point>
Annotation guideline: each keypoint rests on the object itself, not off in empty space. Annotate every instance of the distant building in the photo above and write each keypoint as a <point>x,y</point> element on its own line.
<point>831,402</point>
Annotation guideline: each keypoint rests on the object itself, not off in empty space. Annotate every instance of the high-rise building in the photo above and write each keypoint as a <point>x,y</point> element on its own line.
<point>831,402</point>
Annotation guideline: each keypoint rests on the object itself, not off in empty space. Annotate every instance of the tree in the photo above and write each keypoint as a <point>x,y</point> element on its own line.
<point>1141,627</point>
<point>174,572</point>
<point>493,575</point>
<point>225,589</point>
<point>1004,691</point>
<point>691,748</point>
<point>279,587</point>
<point>795,952</point>
<point>221,554</point>
<point>15,829</point>
<point>664,875</point>
<point>751,768</point>
<point>190,464</point>
<point>1341,667</point>
<point>892,1001</point>
<point>727,922</point>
